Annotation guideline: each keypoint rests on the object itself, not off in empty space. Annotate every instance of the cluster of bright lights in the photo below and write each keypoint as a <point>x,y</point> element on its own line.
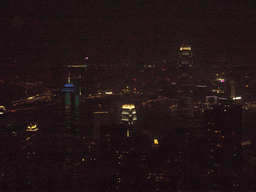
<point>185,48</point>
<point>32,128</point>
<point>2,108</point>
<point>246,143</point>
<point>221,80</point>
<point>237,98</point>
<point>128,106</point>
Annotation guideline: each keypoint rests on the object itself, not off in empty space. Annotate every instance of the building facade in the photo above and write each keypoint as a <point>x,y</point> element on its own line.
<point>223,130</point>
<point>128,114</point>
<point>185,80</point>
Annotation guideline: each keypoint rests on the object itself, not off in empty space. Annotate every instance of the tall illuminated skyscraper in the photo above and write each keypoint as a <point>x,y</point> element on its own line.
<point>128,114</point>
<point>185,80</point>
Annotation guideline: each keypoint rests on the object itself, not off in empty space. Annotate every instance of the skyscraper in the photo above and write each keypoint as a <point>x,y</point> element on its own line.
<point>128,114</point>
<point>223,130</point>
<point>185,80</point>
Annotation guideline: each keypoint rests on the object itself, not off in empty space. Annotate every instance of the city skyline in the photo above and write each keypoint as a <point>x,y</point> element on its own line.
<point>131,96</point>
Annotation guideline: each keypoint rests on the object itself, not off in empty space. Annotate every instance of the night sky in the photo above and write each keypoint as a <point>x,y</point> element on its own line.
<point>111,31</point>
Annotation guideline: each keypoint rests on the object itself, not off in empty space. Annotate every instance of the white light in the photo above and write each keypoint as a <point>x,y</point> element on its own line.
<point>237,98</point>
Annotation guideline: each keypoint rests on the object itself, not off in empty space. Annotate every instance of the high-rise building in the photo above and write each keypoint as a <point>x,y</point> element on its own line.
<point>101,118</point>
<point>223,130</point>
<point>185,80</point>
<point>128,114</point>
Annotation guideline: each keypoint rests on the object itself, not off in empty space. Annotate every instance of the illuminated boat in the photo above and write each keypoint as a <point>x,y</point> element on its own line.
<point>32,127</point>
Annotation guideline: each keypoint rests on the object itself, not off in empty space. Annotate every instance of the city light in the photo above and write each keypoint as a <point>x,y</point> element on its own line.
<point>2,108</point>
<point>221,80</point>
<point>185,48</point>
<point>32,127</point>
<point>200,85</point>
<point>71,66</point>
<point>237,98</point>
<point>128,106</point>
<point>97,112</point>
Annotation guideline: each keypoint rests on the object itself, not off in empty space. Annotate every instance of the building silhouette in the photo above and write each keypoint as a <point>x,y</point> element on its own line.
<point>223,130</point>
<point>185,80</point>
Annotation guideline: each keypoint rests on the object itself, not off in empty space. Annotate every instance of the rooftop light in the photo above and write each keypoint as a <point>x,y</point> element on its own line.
<point>128,106</point>
<point>185,48</point>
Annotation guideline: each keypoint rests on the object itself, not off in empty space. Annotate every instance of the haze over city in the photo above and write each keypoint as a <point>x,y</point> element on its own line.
<point>111,96</point>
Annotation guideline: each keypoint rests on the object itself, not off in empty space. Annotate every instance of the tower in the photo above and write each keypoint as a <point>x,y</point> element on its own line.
<point>128,114</point>
<point>185,80</point>
<point>223,130</point>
